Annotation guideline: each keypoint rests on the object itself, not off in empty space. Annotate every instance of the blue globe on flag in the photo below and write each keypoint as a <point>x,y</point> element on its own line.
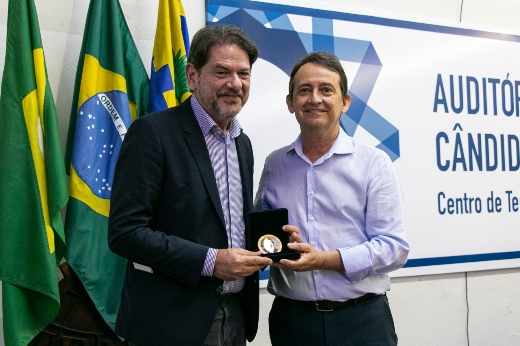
<point>101,126</point>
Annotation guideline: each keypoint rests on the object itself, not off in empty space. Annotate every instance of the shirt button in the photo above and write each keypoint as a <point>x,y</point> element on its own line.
<point>313,243</point>
<point>312,167</point>
<point>227,289</point>
<point>312,218</point>
<point>321,295</point>
<point>233,231</point>
<point>312,192</point>
<point>317,271</point>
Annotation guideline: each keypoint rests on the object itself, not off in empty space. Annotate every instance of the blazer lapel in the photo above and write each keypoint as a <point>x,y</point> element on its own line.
<point>197,145</point>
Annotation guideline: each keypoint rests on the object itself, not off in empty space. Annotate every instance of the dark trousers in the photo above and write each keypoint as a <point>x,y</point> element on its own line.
<point>367,323</point>
<point>228,328</point>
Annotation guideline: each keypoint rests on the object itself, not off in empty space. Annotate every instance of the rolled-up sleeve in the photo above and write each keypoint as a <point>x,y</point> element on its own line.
<point>386,249</point>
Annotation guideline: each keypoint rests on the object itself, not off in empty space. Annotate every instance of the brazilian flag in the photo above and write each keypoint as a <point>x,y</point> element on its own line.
<point>33,184</point>
<point>111,91</point>
<point>168,83</point>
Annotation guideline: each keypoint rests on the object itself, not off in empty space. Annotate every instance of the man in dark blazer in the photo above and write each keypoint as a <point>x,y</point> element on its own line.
<point>182,187</point>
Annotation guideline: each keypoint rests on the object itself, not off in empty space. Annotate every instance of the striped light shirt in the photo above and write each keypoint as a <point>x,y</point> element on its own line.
<point>224,159</point>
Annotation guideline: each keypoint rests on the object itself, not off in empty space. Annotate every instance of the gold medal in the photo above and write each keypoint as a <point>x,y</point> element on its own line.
<point>269,244</point>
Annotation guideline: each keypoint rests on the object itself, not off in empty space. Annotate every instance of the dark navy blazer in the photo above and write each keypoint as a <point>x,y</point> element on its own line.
<point>165,212</point>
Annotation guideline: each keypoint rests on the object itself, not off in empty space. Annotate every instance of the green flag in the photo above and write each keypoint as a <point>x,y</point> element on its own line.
<point>33,185</point>
<point>111,91</point>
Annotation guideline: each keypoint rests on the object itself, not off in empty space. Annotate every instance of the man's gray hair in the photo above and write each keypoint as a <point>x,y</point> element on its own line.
<point>220,35</point>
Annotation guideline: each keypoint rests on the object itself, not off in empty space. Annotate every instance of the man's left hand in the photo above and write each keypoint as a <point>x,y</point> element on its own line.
<point>311,259</point>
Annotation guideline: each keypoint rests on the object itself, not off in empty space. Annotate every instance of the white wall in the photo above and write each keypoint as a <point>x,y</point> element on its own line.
<point>428,310</point>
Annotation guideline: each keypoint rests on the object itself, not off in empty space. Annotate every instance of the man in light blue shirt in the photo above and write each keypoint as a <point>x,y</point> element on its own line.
<point>346,218</point>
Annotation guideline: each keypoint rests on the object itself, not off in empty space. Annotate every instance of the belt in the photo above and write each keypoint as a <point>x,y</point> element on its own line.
<point>327,305</point>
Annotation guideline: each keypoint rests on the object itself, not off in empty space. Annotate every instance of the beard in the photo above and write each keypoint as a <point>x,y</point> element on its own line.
<point>211,103</point>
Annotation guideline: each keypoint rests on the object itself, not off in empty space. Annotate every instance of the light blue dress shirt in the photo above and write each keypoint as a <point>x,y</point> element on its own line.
<point>224,160</point>
<point>348,200</point>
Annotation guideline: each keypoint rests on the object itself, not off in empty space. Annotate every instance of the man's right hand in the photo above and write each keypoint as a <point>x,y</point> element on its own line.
<point>232,264</point>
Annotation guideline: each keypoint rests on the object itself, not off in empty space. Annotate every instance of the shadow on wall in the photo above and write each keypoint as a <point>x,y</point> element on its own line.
<point>64,92</point>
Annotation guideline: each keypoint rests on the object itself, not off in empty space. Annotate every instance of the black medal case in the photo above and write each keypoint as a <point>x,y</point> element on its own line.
<point>270,222</point>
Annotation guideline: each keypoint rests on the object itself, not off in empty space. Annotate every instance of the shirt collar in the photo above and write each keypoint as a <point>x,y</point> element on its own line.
<point>344,144</point>
<point>206,123</point>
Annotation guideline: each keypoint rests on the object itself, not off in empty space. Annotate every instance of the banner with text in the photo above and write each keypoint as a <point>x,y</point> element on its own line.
<point>441,99</point>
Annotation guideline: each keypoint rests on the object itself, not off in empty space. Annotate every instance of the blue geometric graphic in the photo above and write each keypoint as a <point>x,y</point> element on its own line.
<point>280,21</point>
<point>97,140</point>
<point>216,13</point>
<point>282,45</point>
<point>258,15</point>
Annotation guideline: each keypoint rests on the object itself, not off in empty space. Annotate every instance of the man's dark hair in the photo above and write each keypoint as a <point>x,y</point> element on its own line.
<point>327,60</point>
<point>220,35</point>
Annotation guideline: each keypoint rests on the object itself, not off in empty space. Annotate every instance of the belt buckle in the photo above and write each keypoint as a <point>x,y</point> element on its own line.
<point>322,310</point>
